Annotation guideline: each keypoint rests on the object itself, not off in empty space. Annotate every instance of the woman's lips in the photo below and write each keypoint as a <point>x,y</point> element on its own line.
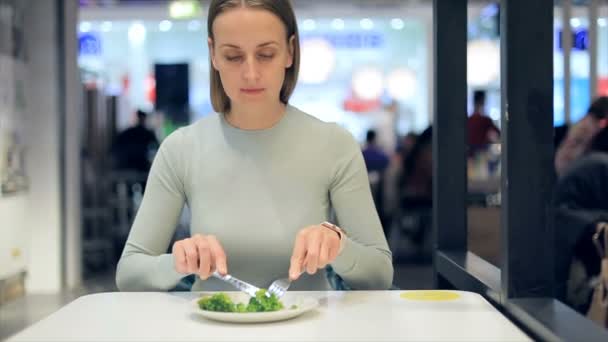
<point>252,90</point>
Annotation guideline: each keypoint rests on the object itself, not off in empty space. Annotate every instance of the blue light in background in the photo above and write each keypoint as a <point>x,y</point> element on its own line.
<point>579,100</point>
<point>580,39</point>
<point>350,40</point>
<point>89,44</point>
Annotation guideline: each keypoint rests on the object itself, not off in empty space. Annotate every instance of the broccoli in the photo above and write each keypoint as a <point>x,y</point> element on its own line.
<point>240,307</point>
<point>260,303</point>
<point>217,302</point>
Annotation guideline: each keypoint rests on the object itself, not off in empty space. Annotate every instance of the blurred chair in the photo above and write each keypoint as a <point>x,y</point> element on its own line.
<point>126,193</point>
<point>410,229</point>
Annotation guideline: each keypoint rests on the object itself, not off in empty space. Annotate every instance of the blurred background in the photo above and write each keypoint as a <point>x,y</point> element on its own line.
<point>89,89</point>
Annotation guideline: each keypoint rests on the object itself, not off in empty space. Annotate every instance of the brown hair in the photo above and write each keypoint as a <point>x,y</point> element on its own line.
<point>599,107</point>
<point>280,8</point>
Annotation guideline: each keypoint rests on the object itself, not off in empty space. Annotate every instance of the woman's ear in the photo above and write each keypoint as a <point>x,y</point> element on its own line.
<point>211,52</point>
<point>291,51</point>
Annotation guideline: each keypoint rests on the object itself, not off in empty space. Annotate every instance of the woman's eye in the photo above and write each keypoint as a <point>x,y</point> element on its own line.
<point>233,58</point>
<point>266,56</point>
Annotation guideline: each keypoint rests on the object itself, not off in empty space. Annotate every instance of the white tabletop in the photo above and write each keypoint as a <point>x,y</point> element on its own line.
<point>341,316</point>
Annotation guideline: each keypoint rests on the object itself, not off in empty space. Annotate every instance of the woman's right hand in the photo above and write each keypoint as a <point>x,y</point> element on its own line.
<point>199,254</point>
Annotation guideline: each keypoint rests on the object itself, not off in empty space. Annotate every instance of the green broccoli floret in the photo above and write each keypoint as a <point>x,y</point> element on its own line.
<point>259,303</point>
<point>266,303</point>
<point>217,302</point>
<point>254,305</point>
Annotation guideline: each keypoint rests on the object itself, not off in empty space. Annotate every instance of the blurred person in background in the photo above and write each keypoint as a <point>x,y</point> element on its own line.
<point>376,162</point>
<point>417,175</point>
<point>411,217</point>
<point>134,148</point>
<point>260,178</point>
<point>132,153</point>
<point>480,128</point>
<point>375,158</point>
<point>580,202</point>
<point>406,145</point>
<point>579,137</point>
<point>392,189</point>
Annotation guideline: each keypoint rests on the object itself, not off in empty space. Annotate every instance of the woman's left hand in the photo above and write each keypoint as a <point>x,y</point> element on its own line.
<point>315,247</point>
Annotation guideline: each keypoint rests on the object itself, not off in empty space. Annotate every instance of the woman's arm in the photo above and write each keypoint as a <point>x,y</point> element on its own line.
<point>144,264</point>
<point>365,261</point>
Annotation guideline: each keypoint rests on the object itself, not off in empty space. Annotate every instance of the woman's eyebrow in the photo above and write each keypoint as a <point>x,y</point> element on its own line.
<point>268,43</point>
<point>259,45</point>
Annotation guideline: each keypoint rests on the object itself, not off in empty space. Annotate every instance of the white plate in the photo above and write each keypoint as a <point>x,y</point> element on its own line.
<point>304,304</point>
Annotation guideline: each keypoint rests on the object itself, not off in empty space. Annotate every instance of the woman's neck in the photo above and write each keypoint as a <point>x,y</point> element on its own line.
<point>255,117</point>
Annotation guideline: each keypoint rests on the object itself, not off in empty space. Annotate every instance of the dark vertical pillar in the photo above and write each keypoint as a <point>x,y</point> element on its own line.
<point>449,122</point>
<point>527,147</point>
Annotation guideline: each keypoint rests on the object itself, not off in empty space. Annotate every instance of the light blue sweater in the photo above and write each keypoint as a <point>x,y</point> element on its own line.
<point>254,190</point>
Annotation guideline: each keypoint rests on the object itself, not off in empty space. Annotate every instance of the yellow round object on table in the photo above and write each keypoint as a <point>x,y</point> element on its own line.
<point>430,295</point>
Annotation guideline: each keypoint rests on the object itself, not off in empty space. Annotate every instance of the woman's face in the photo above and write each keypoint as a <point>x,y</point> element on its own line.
<point>251,54</point>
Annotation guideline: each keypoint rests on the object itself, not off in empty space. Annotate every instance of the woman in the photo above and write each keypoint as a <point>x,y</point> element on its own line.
<point>260,177</point>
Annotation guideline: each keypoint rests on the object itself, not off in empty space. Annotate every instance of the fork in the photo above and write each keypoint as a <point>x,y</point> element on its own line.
<point>239,284</point>
<point>279,287</point>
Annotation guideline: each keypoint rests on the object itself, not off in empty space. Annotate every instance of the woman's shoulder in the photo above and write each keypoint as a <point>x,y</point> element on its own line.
<point>335,133</point>
<point>208,123</point>
<point>187,135</point>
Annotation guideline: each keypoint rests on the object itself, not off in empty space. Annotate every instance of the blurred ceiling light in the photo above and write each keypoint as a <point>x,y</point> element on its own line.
<point>575,22</point>
<point>601,22</point>
<point>397,24</point>
<point>318,59</point>
<point>337,24</point>
<point>309,25</point>
<point>483,62</point>
<point>368,83</point>
<point>106,26</point>
<point>137,33</point>
<point>366,24</point>
<point>182,9</point>
<point>489,11</point>
<point>165,25</point>
<point>401,84</point>
<point>84,26</point>
<point>194,25</point>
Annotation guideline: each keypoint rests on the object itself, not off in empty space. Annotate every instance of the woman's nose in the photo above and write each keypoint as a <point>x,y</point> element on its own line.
<point>251,70</point>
